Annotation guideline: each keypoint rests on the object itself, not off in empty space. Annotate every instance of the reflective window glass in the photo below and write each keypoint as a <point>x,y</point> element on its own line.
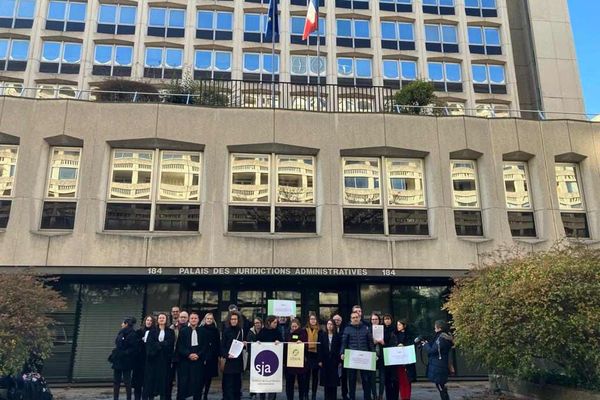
<point>7,8</point>
<point>250,179</point>
<point>179,176</point>
<point>449,34</point>
<point>223,60</point>
<point>72,53</point>
<point>488,3</point>
<point>203,59</point>
<point>475,35</point>
<point>496,74</point>
<point>388,30</point>
<point>268,63</point>
<point>252,23</point>
<point>492,37</point>
<point>176,18</point>
<point>107,14</point>
<point>409,70</point>
<point>436,71</point>
<point>4,49</point>
<point>157,17</point>
<point>154,57</point>
<point>390,69</point>
<point>567,187</point>
<point>174,58</point>
<point>464,184</point>
<point>224,21</point>
<point>406,32</point>
<point>295,179</point>
<point>344,66</point>
<point>317,65</point>
<point>123,55</point>
<point>363,68</point>
<point>127,15</point>
<point>51,52</point>
<point>19,50</point>
<point>297,25</point>
<point>64,171</point>
<point>479,73</point>
<point>131,174</point>
<point>405,182</point>
<point>298,65</point>
<point>8,166</point>
<point>77,11</point>
<point>344,28</point>
<point>57,10</point>
<point>516,188</point>
<point>361,181</point>
<point>26,9</point>
<point>205,20</point>
<point>361,29</point>
<point>251,62</point>
<point>453,73</point>
<point>432,33</point>
<point>103,54</point>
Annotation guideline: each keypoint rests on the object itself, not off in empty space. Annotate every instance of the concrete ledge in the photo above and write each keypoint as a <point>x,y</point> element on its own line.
<point>528,390</point>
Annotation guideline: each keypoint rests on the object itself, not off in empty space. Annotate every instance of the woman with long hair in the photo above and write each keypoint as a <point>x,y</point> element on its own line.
<point>390,371</point>
<point>233,367</point>
<point>293,374</point>
<point>406,373</point>
<point>380,367</point>
<point>159,353</point>
<point>140,361</point>
<point>312,332</point>
<point>330,343</point>
<point>213,348</point>
<point>122,357</point>
<point>438,351</point>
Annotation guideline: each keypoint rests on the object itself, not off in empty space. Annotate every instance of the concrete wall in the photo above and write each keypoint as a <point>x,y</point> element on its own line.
<point>23,244</point>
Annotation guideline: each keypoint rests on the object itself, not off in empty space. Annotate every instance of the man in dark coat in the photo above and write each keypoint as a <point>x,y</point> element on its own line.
<point>191,350</point>
<point>233,366</point>
<point>357,337</point>
<point>391,371</point>
<point>181,322</point>
<point>437,354</point>
<point>123,356</point>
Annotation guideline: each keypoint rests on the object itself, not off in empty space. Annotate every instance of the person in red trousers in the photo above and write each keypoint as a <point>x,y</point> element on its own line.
<point>406,373</point>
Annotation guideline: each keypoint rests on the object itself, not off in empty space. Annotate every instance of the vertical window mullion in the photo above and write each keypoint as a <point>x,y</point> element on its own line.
<point>154,192</point>
<point>273,189</point>
<point>383,181</point>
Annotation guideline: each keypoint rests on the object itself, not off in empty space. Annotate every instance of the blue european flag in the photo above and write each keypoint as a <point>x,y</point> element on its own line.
<point>272,23</point>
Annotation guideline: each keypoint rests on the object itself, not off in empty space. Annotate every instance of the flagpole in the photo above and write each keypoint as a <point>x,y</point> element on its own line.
<point>318,64</point>
<point>273,55</point>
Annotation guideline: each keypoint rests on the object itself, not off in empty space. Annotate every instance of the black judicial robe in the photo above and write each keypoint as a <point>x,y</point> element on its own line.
<point>158,362</point>
<point>190,373</point>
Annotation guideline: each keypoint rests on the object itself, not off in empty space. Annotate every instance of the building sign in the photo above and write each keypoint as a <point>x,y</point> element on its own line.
<point>271,271</point>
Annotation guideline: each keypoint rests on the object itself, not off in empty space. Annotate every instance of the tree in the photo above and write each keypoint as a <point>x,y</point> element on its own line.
<point>25,325</point>
<point>124,90</point>
<point>533,316</point>
<point>418,94</point>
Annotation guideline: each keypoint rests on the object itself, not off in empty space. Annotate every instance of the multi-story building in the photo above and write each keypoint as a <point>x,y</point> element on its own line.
<point>141,206</point>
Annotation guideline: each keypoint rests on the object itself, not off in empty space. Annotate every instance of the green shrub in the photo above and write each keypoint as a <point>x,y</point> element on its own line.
<point>190,91</point>
<point>418,94</point>
<point>533,316</point>
<point>146,91</point>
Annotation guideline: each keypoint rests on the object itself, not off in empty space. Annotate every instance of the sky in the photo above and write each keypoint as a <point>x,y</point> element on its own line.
<point>586,29</point>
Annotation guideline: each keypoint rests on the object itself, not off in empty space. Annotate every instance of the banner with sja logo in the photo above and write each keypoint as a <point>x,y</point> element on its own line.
<point>266,368</point>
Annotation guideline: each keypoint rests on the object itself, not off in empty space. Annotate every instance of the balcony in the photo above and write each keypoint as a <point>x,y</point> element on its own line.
<point>130,190</point>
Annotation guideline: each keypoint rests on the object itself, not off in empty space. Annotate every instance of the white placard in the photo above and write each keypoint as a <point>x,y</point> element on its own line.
<point>402,355</point>
<point>377,332</point>
<point>236,348</point>
<point>357,359</point>
<point>281,308</point>
<point>266,368</point>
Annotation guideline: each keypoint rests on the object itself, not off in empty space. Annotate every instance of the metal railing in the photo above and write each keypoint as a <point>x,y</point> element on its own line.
<point>288,96</point>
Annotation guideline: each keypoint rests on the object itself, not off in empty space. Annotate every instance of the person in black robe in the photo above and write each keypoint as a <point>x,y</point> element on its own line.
<point>390,371</point>
<point>122,357</point>
<point>330,343</point>
<point>137,380</point>
<point>213,349</point>
<point>233,367</point>
<point>293,374</point>
<point>407,374</point>
<point>191,349</point>
<point>159,352</point>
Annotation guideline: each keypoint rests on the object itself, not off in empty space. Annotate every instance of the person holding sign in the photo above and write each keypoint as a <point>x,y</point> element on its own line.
<point>377,331</point>
<point>391,371</point>
<point>270,334</point>
<point>191,349</point>
<point>296,373</point>
<point>312,330</point>
<point>406,373</point>
<point>357,337</point>
<point>330,343</point>
<point>233,365</point>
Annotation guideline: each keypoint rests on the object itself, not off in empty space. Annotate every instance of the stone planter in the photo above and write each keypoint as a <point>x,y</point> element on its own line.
<point>528,390</point>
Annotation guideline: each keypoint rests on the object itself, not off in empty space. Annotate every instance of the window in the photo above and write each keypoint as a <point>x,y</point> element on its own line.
<point>465,198</point>
<point>441,38</point>
<point>441,7</point>
<point>481,8</point>
<point>56,91</point>
<point>214,25</point>
<point>397,35</point>
<point>255,26</point>
<point>518,199</point>
<point>492,110</point>
<point>489,78</point>
<point>259,66</point>
<point>60,201</point>
<point>112,60</point>
<point>297,26</point>
<point>138,199</point>
<point>446,76</point>
<point>396,5</point>
<point>8,167</point>
<point>13,54</point>
<point>353,4</point>
<point>353,33</point>
<point>354,71</point>
<point>66,16</point>
<point>17,13</point>
<point>116,19</point>
<point>396,208</point>
<point>11,88</point>
<point>570,200</point>
<point>212,64</point>
<point>163,62</point>
<point>484,40</point>
<point>61,57</point>
<point>303,68</point>
<point>398,72</point>
<point>272,193</point>
<point>166,22</point>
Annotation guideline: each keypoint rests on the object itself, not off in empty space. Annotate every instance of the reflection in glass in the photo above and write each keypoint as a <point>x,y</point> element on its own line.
<point>295,179</point>
<point>407,222</point>
<point>522,224</point>
<point>375,298</point>
<point>575,225</point>
<point>363,221</point>
<point>132,174</point>
<point>179,176</point>
<point>515,186</point>
<point>361,181</point>
<point>331,298</point>
<point>468,223</point>
<point>177,217</point>
<point>206,297</point>
<point>64,171</point>
<point>250,179</point>
<point>405,182</point>
<point>8,165</point>
<point>249,219</point>
<point>464,184</point>
<point>58,215</point>
<point>127,216</point>
<point>567,187</point>
<point>296,219</point>
<point>4,212</point>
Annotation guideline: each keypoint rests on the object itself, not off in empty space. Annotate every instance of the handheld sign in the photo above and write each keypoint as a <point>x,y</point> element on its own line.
<point>399,355</point>
<point>378,332</point>
<point>357,359</point>
<point>281,308</point>
<point>295,355</point>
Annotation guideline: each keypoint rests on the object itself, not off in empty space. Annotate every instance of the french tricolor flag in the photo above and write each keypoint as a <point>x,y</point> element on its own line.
<point>312,19</point>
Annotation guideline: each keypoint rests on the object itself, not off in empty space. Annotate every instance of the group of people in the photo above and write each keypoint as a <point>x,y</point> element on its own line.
<point>191,352</point>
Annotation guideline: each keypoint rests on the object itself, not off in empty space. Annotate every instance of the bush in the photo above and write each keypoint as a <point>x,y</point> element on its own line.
<point>25,327</point>
<point>148,92</point>
<point>420,94</point>
<point>190,91</point>
<point>534,317</point>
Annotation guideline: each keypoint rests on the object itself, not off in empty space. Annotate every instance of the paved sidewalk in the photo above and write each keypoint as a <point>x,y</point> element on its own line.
<point>421,391</point>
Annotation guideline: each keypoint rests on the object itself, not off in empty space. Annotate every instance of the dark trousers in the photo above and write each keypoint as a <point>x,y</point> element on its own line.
<point>378,373</point>
<point>206,385</point>
<point>330,392</point>
<point>171,381</point>
<point>365,377</point>
<point>441,387</point>
<point>268,396</point>
<point>344,379</point>
<point>391,383</point>
<point>290,380</point>
<point>232,386</point>
<point>121,375</point>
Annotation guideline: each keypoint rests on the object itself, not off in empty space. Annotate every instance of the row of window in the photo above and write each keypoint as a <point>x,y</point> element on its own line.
<point>159,190</point>
<point>114,18</point>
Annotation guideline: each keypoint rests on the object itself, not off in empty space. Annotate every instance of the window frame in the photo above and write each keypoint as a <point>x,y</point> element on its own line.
<point>309,58</point>
<point>15,15</point>
<point>354,75</point>
<point>261,63</point>
<point>321,32</point>
<point>113,61</point>
<point>399,63</point>
<point>477,186</point>
<point>527,182</point>
<point>272,183</point>
<point>445,79</point>
<point>9,51</point>
<point>214,25</point>
<point>117,20</point>
<point>14,176</point>
<point>61,55</point>
<point>154,194</point>
<point>578,180</point>
<point>166,23</point>
<point>213,58</point>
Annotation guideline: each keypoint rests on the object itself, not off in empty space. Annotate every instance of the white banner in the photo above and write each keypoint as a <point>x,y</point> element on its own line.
<point>399,355</point>
<point>266,368</point>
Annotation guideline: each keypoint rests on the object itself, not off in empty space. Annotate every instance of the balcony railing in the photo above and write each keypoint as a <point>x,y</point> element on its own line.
<point>286,96</point>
